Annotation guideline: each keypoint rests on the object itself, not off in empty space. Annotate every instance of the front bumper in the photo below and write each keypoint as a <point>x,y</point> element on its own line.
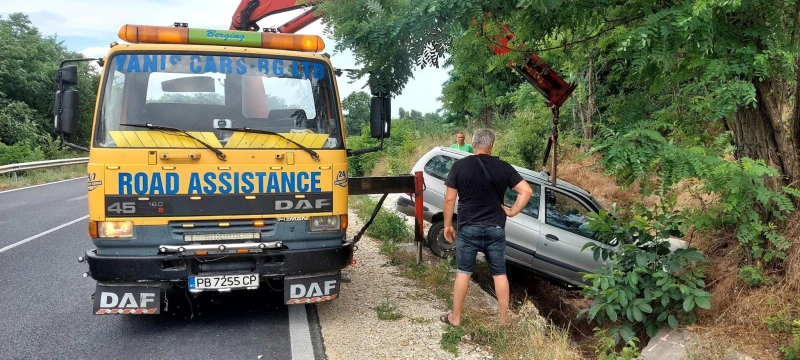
<point>176,267</point>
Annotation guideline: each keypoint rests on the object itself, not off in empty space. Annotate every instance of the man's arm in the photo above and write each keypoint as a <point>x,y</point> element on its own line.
<point>524,192</point>
<point>449,206</point>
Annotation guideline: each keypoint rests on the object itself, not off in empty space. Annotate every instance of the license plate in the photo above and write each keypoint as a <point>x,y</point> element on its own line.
<point>303,290</point>
<point>223,282</point>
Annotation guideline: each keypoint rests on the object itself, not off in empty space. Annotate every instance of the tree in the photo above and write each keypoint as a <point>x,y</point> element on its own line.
<point>28,62</point>
<point>688,67</point>
<point>356,106</point>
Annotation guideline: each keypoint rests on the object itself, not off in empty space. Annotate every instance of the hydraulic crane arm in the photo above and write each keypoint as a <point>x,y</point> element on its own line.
<point>250,12</point>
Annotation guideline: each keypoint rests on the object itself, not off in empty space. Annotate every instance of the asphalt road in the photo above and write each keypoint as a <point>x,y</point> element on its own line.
<point>46,310</point>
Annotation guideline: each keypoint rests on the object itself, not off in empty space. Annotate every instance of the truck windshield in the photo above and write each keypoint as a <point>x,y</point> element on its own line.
<point>204,94</point>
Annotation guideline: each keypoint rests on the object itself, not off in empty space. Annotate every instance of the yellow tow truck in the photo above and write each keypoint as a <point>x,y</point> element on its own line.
<point>218,162</point>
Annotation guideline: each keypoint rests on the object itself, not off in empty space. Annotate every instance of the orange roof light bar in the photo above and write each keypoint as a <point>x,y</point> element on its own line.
<point>182,35</point>
<point>154,34</point>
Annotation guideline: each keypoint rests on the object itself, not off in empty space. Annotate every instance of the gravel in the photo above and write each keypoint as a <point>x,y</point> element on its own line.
<point>350,324</point>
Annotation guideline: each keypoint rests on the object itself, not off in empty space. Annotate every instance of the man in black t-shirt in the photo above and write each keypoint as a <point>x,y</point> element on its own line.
<point>480,182</point>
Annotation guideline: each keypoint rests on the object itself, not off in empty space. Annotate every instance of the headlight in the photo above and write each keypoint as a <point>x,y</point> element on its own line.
<point>115,229</point>
<point>325,223</point>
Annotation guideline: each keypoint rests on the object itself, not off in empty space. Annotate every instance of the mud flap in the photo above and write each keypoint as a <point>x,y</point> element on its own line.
<point>311,289</point>
<point>139,300</point>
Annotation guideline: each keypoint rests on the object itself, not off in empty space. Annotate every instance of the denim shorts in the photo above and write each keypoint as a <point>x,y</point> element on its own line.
<point>489,239</point>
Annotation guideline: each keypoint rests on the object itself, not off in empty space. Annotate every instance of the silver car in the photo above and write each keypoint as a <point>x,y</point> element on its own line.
<point>546,237</point>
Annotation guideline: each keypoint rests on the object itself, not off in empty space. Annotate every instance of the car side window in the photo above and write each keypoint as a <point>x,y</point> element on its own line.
<point>532,208</point>
<point>567,213</point>
<point>439,166</point>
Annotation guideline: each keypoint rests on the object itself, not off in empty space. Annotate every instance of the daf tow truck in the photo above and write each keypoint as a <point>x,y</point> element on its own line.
<point>217,162</point>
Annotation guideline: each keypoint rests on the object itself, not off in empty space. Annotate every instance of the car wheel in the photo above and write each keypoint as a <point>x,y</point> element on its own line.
<point>439,246</point>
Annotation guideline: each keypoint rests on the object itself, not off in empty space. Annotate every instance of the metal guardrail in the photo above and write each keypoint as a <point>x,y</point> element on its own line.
<point>14,168</point>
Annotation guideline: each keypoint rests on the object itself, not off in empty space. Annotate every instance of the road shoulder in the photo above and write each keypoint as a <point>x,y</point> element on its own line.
<point>350,324</point>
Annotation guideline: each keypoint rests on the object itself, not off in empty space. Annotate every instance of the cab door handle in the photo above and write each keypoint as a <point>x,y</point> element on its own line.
<point>551,237</point>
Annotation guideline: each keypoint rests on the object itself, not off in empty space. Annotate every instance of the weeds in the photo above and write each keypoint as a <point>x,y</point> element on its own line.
<point>451,338</point>
<point>780,323</point>
<point>388,311</point>
<point>41,176</point>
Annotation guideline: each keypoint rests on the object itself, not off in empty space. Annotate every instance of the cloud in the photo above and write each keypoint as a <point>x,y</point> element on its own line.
<point>102,19</point>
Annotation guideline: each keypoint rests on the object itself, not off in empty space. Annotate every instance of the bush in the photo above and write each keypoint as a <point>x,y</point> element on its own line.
<point>19,153</point>
<point>744,203</point>
<point>387,226</point>
<point>523,139</point>
<point>753,276</point>
<point>645,286</point>
<point>792,351</point>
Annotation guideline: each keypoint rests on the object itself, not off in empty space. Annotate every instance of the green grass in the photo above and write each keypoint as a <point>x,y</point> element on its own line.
<point>41,176</point>
<point>388,311</point>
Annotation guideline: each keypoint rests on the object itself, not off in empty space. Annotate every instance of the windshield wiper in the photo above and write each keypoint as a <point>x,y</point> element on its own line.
<point>313,153</point>
<point>220,155</point>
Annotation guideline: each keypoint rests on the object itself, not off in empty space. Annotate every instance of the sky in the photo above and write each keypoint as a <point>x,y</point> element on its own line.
<point>89,26</point>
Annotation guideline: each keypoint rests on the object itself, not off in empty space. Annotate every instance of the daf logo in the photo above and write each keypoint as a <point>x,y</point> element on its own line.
<point>301,204</point>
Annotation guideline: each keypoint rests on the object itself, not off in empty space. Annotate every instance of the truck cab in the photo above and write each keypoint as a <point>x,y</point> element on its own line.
<point>217,162</point>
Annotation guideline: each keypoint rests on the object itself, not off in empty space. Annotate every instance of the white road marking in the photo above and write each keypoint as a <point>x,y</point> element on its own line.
<point>34,186</point>
<point>34,237</point>
<point>300,333</point>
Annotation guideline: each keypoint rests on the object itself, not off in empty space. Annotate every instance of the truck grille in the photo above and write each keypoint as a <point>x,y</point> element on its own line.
<point>226,231</point>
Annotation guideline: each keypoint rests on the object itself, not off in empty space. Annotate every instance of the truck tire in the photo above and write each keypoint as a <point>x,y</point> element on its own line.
<point>439,246</point>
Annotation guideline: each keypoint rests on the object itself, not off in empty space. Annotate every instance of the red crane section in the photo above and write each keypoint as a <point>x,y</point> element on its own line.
<point>250,12</point>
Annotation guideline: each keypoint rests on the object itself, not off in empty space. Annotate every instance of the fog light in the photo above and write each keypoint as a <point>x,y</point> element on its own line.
<point>115,229</point>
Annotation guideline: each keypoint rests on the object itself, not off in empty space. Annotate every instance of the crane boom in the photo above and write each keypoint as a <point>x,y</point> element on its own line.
<point>250,12</point>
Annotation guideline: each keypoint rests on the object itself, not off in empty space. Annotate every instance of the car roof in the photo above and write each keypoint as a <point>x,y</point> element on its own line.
<point>543,176</point>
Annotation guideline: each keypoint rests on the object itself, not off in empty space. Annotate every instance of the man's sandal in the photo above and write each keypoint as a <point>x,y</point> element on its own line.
<point>445,318</point>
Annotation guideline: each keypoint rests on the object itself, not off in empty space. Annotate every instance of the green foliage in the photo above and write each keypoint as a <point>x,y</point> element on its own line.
<point>780,323</point>
<point>363,164</point>
<point>645,285</point>
<point>356,107</point>
<point>606,348</point>
<point>28,61</point>
<point>792,351</point>
<point>387,226</point>
<point>388,311</point>
<point>523,138</point>
<point>19,153</point>
<point>753,276</point>
<point>744,199</point>
<point>451,338</point>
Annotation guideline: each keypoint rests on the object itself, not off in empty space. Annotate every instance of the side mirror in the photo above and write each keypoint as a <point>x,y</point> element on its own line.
<point>613,242</point>
<point>66,112</point>
<point>380,117</point>
<point>67,75</point>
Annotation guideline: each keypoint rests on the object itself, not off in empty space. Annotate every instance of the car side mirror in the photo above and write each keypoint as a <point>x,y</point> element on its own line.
<point>66,112</point>
<point>613,242</point>
<point>380,117</point>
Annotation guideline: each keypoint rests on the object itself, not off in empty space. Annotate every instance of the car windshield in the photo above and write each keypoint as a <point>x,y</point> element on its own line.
<point>204,94</point>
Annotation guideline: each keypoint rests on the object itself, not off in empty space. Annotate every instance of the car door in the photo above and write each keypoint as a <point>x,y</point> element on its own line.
<point>522,230</point>
<point>435,173</point>
<point>564,233</point>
